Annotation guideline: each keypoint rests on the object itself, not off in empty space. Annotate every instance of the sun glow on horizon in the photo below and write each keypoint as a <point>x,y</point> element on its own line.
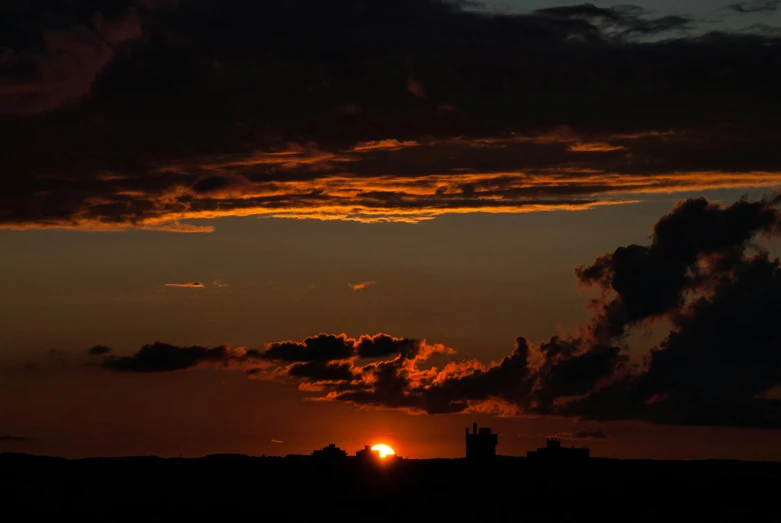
<point>384,450</point>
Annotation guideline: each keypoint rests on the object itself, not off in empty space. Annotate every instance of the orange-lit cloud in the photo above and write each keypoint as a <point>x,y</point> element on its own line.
<point>362,285</point>
<point>387,138</point>
<point>407,181</point>
<point>594,147</point>
<point>189,285</point>
<point>388,145</point>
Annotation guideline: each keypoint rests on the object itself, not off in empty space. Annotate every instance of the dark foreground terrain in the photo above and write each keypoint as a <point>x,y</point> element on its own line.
<point>233,488</point>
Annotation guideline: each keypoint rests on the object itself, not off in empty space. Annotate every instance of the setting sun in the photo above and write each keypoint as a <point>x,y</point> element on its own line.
<point>384,450</point>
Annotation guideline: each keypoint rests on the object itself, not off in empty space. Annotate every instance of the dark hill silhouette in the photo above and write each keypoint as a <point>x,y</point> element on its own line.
<point>229,487</point>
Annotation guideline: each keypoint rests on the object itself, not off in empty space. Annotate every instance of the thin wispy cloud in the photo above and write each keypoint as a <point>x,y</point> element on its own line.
<point>98,350</point>
<point>277,441</point>
<point>189,285</point>
<point>755,6</point>
<point>362,285</point>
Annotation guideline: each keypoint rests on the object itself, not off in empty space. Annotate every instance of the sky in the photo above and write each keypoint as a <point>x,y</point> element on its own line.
<point>261,228</point>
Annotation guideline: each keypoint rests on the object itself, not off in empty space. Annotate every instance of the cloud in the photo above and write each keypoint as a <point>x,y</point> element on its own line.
<point>416,88</point>
<point>362,285</point>
<point>277,441</point>
<point>616,23</point>
<point>583,434</point>
<point>617,104</point>
<point>219,283</point>
<point>188,285</point>
<point>124,28</point>
<point>651,280</point>
<point>18,439</point>
<point>383,345</point>
<point>317,371</point>
<point>98,350</point>
<point>755,6</point>
<point>164,357</point>
<point>62,61</point>
<point>323,347</point>
<point>322,362</point>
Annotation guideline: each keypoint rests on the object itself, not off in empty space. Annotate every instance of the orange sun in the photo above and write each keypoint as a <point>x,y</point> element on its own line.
<point>384,450</point>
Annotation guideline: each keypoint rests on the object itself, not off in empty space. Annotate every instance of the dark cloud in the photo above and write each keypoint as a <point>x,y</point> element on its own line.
<point>51,53</point>
<point>325,357</point>
<point>321,371</point>
<point>651,280</point>
<point>19,439</point>
<point>163,357</point>
<point>211,183</point>
<point>723,354</point>
<point>322,348</point>
<point>129,114</point>
<point>383,345</point>
<point>618,22</point>
<point>98,350</point>
<point>331,347</point>
<point>756,6</point>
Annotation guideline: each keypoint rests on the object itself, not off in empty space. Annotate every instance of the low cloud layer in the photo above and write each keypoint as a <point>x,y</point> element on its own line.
<point>564,108</point>
<point>705,272</point>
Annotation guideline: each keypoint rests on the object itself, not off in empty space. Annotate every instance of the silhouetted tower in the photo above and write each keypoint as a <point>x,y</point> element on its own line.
<point>481,445</point>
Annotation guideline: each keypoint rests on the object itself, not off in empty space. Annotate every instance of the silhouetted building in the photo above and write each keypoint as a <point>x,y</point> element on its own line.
<point>366,454</point>
<point>330,453</point>
<point>481,445</point>
<point>554,451</point>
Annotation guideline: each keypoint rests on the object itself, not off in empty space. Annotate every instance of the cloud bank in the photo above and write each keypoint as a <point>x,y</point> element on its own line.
<point>273,111</point>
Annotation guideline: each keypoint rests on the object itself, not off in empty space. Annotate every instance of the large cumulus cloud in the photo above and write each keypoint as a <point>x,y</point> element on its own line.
<point>148,114</point>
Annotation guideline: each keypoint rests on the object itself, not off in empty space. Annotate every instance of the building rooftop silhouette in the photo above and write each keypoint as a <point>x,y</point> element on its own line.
<point>331,453</point>
<point>366,453</point>
<point>481,444</point>
<point>554,451</point>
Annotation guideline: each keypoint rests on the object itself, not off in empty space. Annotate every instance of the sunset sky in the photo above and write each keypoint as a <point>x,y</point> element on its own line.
<point>256,227</point>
